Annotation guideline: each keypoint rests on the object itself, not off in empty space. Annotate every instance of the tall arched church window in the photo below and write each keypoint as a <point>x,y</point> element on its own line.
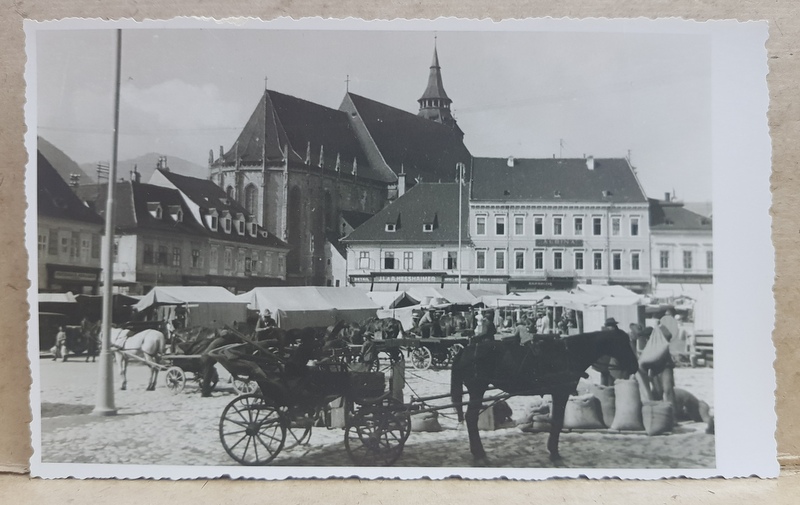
<point>251,199</point>
<point>294,229</point>
<point>328,215</point>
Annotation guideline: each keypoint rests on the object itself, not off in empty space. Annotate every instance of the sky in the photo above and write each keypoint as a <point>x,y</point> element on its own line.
<point>515,93</point>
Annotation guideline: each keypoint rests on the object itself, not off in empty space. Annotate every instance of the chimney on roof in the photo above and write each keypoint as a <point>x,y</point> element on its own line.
<point>590,162</point>
<point>510,161</point>
<point>401,182</point>
<point>666,196</point>
<point>135,175</point>
<point>221,152</point>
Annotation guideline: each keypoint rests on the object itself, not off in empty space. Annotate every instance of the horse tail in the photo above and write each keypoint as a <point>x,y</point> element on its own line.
<point>456,388</point>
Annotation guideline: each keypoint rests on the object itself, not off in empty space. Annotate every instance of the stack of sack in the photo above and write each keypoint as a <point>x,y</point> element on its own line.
<point>619,408</point>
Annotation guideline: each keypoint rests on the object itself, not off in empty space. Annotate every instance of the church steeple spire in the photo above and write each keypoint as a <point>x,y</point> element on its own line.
<point>434,104</point>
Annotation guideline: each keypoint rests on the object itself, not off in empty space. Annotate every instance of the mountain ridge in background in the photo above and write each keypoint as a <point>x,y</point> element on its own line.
<point>146,164</point>
<point>64,165</point>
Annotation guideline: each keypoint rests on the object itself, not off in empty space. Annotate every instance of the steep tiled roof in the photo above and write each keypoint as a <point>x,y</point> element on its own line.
<point>673,216</point>
<point>207,195</point>
<point>55,197</point>
<point>555,180</point>
<point>355,218</point>
<point>433,204</point>
<point>309,130</point>
<point>407,142</point>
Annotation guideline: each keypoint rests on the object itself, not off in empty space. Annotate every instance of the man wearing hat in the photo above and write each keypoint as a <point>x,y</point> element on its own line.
<point>610,324</point>
<point>265,322</point>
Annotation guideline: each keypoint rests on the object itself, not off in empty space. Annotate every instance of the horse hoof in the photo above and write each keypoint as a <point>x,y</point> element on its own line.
<point>557,460</point>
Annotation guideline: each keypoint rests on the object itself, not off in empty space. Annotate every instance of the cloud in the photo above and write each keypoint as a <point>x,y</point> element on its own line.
<point>175,105</point>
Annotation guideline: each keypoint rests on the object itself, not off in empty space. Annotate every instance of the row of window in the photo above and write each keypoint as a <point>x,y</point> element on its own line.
<point>665,263</point>
<point>390,261</point>
<point>245,261</point>
<point>558,226</point>
<point>558,260</point>
<point>69,245</point>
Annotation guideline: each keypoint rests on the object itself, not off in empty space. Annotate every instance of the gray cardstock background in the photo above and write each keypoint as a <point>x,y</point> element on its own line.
<point>14,382</point>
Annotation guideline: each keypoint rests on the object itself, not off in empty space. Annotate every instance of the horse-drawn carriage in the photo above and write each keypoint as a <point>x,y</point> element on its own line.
<point>292,397</point>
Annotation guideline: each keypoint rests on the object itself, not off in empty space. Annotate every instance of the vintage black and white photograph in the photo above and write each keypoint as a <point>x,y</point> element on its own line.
<point>435,248</point>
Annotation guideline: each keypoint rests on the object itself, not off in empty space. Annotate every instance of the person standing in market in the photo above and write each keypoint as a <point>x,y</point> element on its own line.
<point>60,349</point>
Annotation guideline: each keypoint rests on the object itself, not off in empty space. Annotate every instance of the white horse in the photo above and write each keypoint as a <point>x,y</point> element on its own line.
<point>148,345</point>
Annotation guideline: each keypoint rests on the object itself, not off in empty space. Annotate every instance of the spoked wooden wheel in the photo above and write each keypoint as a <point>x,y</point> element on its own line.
<point>243,386</point>
<point>376,435</point>
<point>175,379</point>
<point>299,430</point>
<point>421,358</point>
<point>454,350</point>
<point>252,431</point>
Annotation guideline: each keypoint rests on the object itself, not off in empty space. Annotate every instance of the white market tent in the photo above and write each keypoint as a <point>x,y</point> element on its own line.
<point>67,297</point>
<point>208,306</point>
<point>299,307</point>
<point>391,299</point>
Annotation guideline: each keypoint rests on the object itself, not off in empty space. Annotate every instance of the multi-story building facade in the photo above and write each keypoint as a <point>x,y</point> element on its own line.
<point>681,246</point>
<point>553,223</point>
<point>414,240</point>
<point>69,236</point>
<point>185,231</point>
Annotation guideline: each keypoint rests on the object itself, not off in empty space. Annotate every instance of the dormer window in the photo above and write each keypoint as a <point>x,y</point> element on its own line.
<point>226,221</point>
<point>391,227</point>
<point>176,213</point>
<point>212,219</point>
<point>240,227</point>
<point>557,194</point>
<point>154,208</point>
<point>253,228</point>
<point>427,227</point>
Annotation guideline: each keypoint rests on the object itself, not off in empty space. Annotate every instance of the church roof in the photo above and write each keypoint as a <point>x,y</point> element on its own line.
<point>55,197</point>
<point>555,180</point>
<point>435,205</point>
<point>406,142</point>
<point>435,88</point>
<point>313,133</point>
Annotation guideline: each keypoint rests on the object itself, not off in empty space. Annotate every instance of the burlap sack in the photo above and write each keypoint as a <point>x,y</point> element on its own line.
<point>657,348</point>
<point>607,398</point>
<point>583,412</point>
<point>658,417</point>
<point>426,422</point>
<point>628,406</point>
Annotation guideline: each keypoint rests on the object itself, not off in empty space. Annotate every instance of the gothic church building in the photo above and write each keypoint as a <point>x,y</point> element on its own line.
<point>297,166</point>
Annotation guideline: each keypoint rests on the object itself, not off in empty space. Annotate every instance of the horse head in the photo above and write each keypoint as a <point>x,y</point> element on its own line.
<point>616,344</point>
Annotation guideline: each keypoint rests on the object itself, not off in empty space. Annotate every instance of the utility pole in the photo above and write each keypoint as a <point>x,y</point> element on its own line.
<point>460,167</point>
<point>104,402</point>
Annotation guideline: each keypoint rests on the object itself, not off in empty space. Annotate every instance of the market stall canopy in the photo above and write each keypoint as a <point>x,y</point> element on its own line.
<point>299,307</point>
<point>67,297</point>
<point>436,295</point>
<point>390,299</point>
<point>609,295</point>
<point>180,295</point>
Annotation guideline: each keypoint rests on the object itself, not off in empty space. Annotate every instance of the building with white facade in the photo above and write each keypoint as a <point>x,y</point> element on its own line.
<point>553,223</point>
<point>681,248</point>
<point>414,240</point>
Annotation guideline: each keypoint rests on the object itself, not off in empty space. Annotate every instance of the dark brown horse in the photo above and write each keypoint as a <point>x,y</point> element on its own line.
<point>547,365</point>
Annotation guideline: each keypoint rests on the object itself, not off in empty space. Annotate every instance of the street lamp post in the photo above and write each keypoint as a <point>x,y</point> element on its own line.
<point>460,167</point>
<point>104,402</point>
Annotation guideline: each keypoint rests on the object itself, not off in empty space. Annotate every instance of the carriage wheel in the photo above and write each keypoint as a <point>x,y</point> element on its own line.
<point>421,358</point>
<point>454,350</point>
<point>299,430</point>
<point>244,387</point>
<point>376,435</point>
<point>252,431</point>
<point>175,379</point>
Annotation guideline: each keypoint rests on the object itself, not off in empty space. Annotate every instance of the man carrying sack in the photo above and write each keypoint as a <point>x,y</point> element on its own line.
<point>656,364</point>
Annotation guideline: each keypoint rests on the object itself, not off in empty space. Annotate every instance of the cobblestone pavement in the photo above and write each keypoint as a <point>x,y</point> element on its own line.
<point>161,428</point>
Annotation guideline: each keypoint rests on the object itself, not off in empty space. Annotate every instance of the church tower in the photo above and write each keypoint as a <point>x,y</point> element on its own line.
<point>434,103</point>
